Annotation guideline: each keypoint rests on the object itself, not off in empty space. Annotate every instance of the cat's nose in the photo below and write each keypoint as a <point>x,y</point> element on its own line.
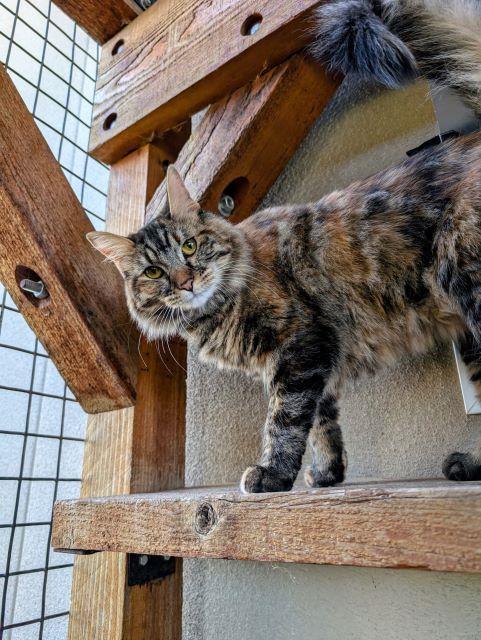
<point>188,284</point>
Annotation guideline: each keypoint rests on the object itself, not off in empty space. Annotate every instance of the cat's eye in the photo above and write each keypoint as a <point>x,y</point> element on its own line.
<point>153,272</point>
<point>189,247</point>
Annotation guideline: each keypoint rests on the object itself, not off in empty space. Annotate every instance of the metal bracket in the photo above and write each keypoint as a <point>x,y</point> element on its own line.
<point>76,552</point>
<point>433,142</point>
<point>142,568</point>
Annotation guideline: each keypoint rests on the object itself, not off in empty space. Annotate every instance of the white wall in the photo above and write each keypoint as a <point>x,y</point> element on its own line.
<point>400,424</point>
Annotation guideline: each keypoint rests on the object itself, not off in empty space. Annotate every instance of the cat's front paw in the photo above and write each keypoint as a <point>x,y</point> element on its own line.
<point>461,467</point>
<point>315,477</point>
<point>262,480</point>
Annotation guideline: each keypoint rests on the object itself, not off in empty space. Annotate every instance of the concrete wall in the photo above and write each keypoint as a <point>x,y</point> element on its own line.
<point>400,424</point>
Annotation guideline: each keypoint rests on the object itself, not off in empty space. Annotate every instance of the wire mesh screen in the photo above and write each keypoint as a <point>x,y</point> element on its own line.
<point>53,64</point>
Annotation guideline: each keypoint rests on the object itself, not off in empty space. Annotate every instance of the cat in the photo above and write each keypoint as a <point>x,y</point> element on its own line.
<point>306,297</point>
<point>390,42</point>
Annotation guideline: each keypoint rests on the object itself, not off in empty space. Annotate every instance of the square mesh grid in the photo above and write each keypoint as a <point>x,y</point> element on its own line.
<point>53,64</point>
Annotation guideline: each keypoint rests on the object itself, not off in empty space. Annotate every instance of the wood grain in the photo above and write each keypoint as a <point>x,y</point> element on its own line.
<point>101,19</point>
<point>426,524</point>
<point>180,56</point>
<point>136,449</point>
<point>84,322</point>
<point>251,135</point>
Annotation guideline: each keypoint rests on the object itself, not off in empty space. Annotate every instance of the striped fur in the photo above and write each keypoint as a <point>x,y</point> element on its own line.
<point>308,296</point>
<point>390,41</point>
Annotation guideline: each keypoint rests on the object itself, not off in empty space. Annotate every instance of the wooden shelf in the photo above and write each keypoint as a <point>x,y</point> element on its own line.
<point>420,524</point>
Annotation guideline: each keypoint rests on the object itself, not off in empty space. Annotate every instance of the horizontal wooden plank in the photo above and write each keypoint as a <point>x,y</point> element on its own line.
<point>238,147</point>
<point>182,55</point>
<point>83,323</point>
<point>423,524</point>
<point>101,19</point>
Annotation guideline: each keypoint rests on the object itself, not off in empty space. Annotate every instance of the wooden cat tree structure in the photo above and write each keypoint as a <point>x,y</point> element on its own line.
<point>157,68</point>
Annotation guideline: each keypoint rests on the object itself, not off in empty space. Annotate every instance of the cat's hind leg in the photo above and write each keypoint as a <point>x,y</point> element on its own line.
<point>329,463</point>
<point>467,466</point>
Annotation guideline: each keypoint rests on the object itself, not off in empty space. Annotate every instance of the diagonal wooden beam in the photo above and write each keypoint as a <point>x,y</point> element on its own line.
<point>181,55</point>
<point>83,323</point>
<point>135,449</point>
<point>101,19</point>
<point>244,141</point>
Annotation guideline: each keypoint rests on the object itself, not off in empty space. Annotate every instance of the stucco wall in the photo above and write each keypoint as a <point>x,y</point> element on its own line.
<point>400,424</point>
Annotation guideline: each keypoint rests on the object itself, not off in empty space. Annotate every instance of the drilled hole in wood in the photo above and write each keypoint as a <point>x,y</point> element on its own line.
<point>205,518</point>
<point>110,121</point>
<point>32,286</point>
<point>232,196</point>
<point>251,25</point>
<point>118,47</point>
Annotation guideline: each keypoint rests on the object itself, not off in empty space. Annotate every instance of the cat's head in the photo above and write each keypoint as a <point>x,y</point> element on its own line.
<point>185,263</point>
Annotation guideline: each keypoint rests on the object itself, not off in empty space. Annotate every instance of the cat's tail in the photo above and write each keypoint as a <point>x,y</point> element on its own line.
<point>390,42</point>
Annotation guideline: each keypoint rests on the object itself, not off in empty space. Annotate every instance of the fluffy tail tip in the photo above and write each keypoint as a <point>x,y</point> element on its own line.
<point>349,38</point>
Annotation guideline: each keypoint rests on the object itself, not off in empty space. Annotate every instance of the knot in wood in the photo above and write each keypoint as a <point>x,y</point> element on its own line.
<point>205,518</point>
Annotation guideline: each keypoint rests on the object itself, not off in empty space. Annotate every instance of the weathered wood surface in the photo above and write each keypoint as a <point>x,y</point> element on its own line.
<point>250,136</point>
<point>136,449</point>
<point>84,322</point>
<point>101,19</point>
<point>171,142</point>
<point>182,55</point>
<point>426,524</point>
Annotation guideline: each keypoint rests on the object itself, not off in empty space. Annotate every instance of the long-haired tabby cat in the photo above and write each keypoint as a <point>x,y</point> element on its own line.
<point>308,296</point>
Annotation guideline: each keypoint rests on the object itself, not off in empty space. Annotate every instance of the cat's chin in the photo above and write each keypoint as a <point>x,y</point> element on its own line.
<point>197,300</point>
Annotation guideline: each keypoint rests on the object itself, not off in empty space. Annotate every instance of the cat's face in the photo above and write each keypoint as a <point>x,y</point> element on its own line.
<point>176,266</point>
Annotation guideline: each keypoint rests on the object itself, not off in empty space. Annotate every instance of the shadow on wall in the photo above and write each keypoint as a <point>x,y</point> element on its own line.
<point>249,601</point>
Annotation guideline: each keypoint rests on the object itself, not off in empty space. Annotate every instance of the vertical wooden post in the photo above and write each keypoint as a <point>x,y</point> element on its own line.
<point>133,450</point>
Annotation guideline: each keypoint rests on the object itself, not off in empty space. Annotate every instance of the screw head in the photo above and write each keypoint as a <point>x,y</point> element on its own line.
<point>254,28</point>
<point>226,205</point>
<point>143,560</point>
<point>37,288</point>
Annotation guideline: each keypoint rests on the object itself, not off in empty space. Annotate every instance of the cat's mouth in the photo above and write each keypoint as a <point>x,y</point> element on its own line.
<point>204,287</point>
<point>197,298</point>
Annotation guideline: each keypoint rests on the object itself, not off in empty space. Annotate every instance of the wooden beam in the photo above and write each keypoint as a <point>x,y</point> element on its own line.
<point>245,140</point>
<point>101,19</point>
<point>83,323</point>
<point>171,142</point>
<point>182,55</point>
<point>136,449</point>
<point>424,524</point>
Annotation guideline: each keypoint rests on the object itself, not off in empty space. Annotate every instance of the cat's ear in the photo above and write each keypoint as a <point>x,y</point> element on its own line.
<point>181,205</point>
<point>115,248</point>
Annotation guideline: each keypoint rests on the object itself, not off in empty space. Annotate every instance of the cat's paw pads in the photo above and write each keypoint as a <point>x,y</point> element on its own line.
<point>314,477</point>
<point>461,467</point>
<point>262,480</point>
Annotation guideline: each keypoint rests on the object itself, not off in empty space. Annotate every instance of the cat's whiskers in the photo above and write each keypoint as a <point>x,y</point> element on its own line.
<point>250,289</point>
<point>170,351</point>
<point>140,353</point>
<point>159,319</point>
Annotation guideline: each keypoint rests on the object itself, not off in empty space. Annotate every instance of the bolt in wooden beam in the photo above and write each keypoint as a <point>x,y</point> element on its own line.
<point>83,322</point>
<point>244,141</point>
<point>182,55</point>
